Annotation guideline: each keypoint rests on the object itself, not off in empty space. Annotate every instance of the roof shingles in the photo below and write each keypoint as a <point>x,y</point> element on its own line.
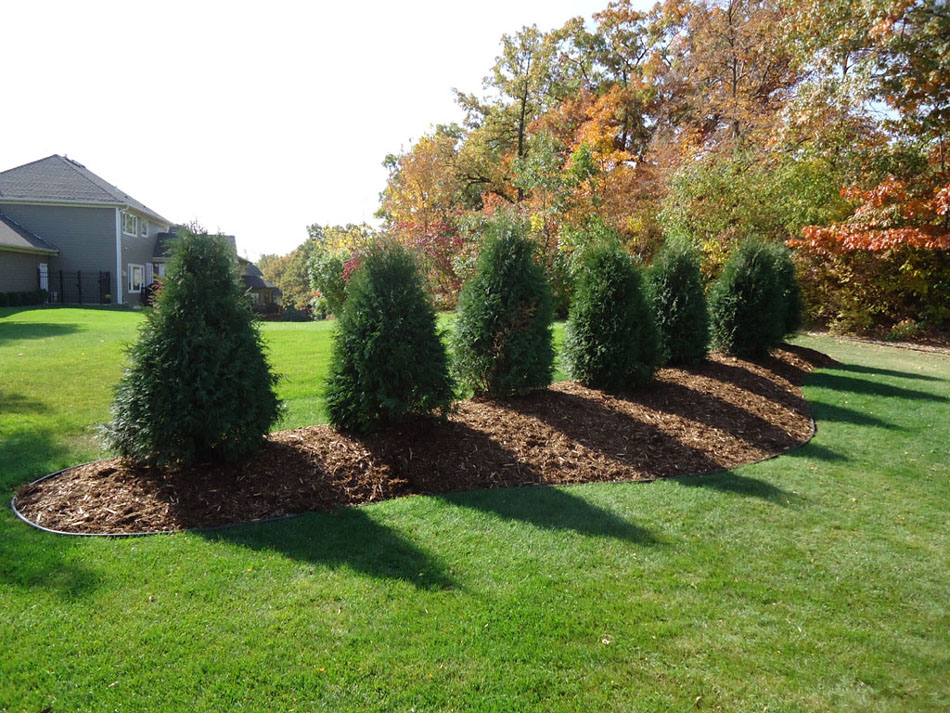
<point>56,178</point>
<point>14,236</point>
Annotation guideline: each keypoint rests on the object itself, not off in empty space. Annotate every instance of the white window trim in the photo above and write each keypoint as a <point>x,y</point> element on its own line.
<point>130,285</point>
<point>126,218</point>
<point>138,227</point>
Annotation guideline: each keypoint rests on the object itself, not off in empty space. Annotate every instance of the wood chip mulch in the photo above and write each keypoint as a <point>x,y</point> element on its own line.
<point>720,414</point>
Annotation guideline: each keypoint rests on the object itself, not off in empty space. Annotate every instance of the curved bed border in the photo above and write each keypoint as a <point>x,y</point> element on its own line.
<point>277,518</point>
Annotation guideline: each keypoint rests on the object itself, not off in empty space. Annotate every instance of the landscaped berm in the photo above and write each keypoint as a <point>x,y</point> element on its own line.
<point>724,413</point>
<point>814,581</point>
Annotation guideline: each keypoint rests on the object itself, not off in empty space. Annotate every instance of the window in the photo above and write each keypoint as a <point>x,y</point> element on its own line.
<point>136,277</point>
<point>133,225</point>
<point>160,269</point>
<point>129,224</point>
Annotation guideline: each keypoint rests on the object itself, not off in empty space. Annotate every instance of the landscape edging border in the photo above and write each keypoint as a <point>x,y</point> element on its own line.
<point>116,535</point>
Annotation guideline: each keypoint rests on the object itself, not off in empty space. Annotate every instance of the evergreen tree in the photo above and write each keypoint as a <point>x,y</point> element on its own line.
<point>502,336</point>
<point>198,386</point>
<point>388,361</point>
<point>679,303</point>
<point>788,284</point>
<point>746,302</point>
<point>611,339</point>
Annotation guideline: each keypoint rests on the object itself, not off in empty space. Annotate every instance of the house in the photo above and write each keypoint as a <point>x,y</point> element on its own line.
<point>66,230</point>
<point>265,296</point>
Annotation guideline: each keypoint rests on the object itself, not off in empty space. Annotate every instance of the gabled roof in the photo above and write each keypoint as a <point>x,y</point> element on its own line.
<point>14,236</point>
<point>57,178</point>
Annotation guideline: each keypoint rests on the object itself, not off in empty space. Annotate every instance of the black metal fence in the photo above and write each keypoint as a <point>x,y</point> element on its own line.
<point>89,287</point>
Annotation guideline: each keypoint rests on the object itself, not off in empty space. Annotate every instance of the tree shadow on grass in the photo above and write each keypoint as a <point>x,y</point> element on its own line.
<point>840,382</point>
<point>839,414</point>
<point>35,560</point>
<point>28,455</point>
<point>552,509</point>
<point>818,452</point>
<point>761,386</point>
<point>11,403</point>
<point>30,558</point>
<point>347,537</point>
<point>19,331</point>
<point>877,371</point>
<point>733,483</point>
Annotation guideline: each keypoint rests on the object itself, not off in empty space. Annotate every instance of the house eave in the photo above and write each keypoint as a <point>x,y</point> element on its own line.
<point>29,251</point>
<point>83,204</point>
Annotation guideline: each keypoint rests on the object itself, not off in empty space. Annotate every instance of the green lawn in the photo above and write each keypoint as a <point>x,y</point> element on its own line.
<point>817,581</point>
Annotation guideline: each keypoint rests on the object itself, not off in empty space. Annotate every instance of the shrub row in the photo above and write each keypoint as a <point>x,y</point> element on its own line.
<point>199,385</point>
<point>389,362</point>
<point>23,299</point>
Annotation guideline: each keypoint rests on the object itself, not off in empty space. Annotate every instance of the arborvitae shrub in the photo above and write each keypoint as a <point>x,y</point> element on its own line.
<point>388,361</point>
<point>611,340</point>
<point>198,386</point>
<point>502,335</point>
<point>679,303</point>
<point>746,303</point>
<point>791,293</point>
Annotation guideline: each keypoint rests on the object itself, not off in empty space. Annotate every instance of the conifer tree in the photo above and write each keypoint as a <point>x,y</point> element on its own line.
<point>388,361</point>
<point>198,386</point>
<point>679,303</point>
<point>502,335</point>
<point>747,306</point>
<point>611,339</point>
<point>788,284</point>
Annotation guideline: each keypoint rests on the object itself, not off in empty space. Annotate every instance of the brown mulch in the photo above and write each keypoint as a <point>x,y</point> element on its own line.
<point>723,413</point>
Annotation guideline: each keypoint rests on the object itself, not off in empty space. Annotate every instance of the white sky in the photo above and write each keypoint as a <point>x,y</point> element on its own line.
<point>256,119</point>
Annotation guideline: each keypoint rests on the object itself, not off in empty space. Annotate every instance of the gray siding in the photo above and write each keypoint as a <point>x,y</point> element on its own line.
<point>85,236</point>
<point>86,241</point>
<point>18,271</point>
<point>138,250</point>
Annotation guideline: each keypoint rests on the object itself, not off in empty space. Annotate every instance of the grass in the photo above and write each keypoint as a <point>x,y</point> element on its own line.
<point>813,582</point>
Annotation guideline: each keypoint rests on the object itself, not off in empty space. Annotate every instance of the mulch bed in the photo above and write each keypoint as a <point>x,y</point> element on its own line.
<point>720,414</point>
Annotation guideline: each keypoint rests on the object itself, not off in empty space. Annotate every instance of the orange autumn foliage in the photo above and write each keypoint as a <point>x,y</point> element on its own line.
<point>887,217</point>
